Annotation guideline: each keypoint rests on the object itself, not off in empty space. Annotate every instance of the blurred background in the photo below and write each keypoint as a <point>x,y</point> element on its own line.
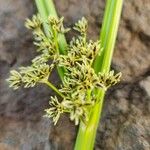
<point>125,123</point>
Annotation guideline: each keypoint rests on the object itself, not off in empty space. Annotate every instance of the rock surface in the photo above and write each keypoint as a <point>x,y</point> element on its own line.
<point>125,123</point>
<point>145,84</point>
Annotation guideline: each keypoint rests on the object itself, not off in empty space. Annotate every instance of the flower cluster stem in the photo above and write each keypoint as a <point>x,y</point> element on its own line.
<point>54,88</point>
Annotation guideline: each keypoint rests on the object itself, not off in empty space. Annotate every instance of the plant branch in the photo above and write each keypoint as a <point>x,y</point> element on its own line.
<point>54,88</point>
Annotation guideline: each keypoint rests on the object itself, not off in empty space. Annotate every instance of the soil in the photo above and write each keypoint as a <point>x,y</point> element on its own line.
<point>125,123</point>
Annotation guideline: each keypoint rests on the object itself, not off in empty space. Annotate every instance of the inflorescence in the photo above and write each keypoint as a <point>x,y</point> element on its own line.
<point>77,92</point>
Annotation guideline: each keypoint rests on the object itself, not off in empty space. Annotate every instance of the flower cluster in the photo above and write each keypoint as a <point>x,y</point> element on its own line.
<point>77,92</point>
<point>29,76</point>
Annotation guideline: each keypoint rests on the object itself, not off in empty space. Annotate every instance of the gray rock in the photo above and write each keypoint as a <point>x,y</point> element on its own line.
<point>145,84</point>
<point>134,134</point>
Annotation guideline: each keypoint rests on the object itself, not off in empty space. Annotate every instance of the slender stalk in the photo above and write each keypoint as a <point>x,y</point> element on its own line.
<point>89,95</point>
<point>86,135</point>
<point>43,13</point>
<point>61,38</point>
<point>46,8</point>
<point>108,35</point>
<point>50,7</point>
<point>54,88</point>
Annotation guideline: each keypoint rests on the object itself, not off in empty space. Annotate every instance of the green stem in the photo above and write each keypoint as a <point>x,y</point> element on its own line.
<point>46,8</point>
<point>89,95</point>
<point>87,133</point>
<point>61,38</point>
<point>53,88</point>
<point>43,13</point>
<point>50,7</point>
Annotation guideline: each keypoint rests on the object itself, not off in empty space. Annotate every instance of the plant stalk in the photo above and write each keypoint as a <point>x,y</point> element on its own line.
<point>61,38</point>
<point>87,133</point>
<point>46,8</point>
<point>54,88</point>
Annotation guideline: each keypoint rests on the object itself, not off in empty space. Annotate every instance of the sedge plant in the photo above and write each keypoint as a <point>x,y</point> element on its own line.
<point>83,66</point>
